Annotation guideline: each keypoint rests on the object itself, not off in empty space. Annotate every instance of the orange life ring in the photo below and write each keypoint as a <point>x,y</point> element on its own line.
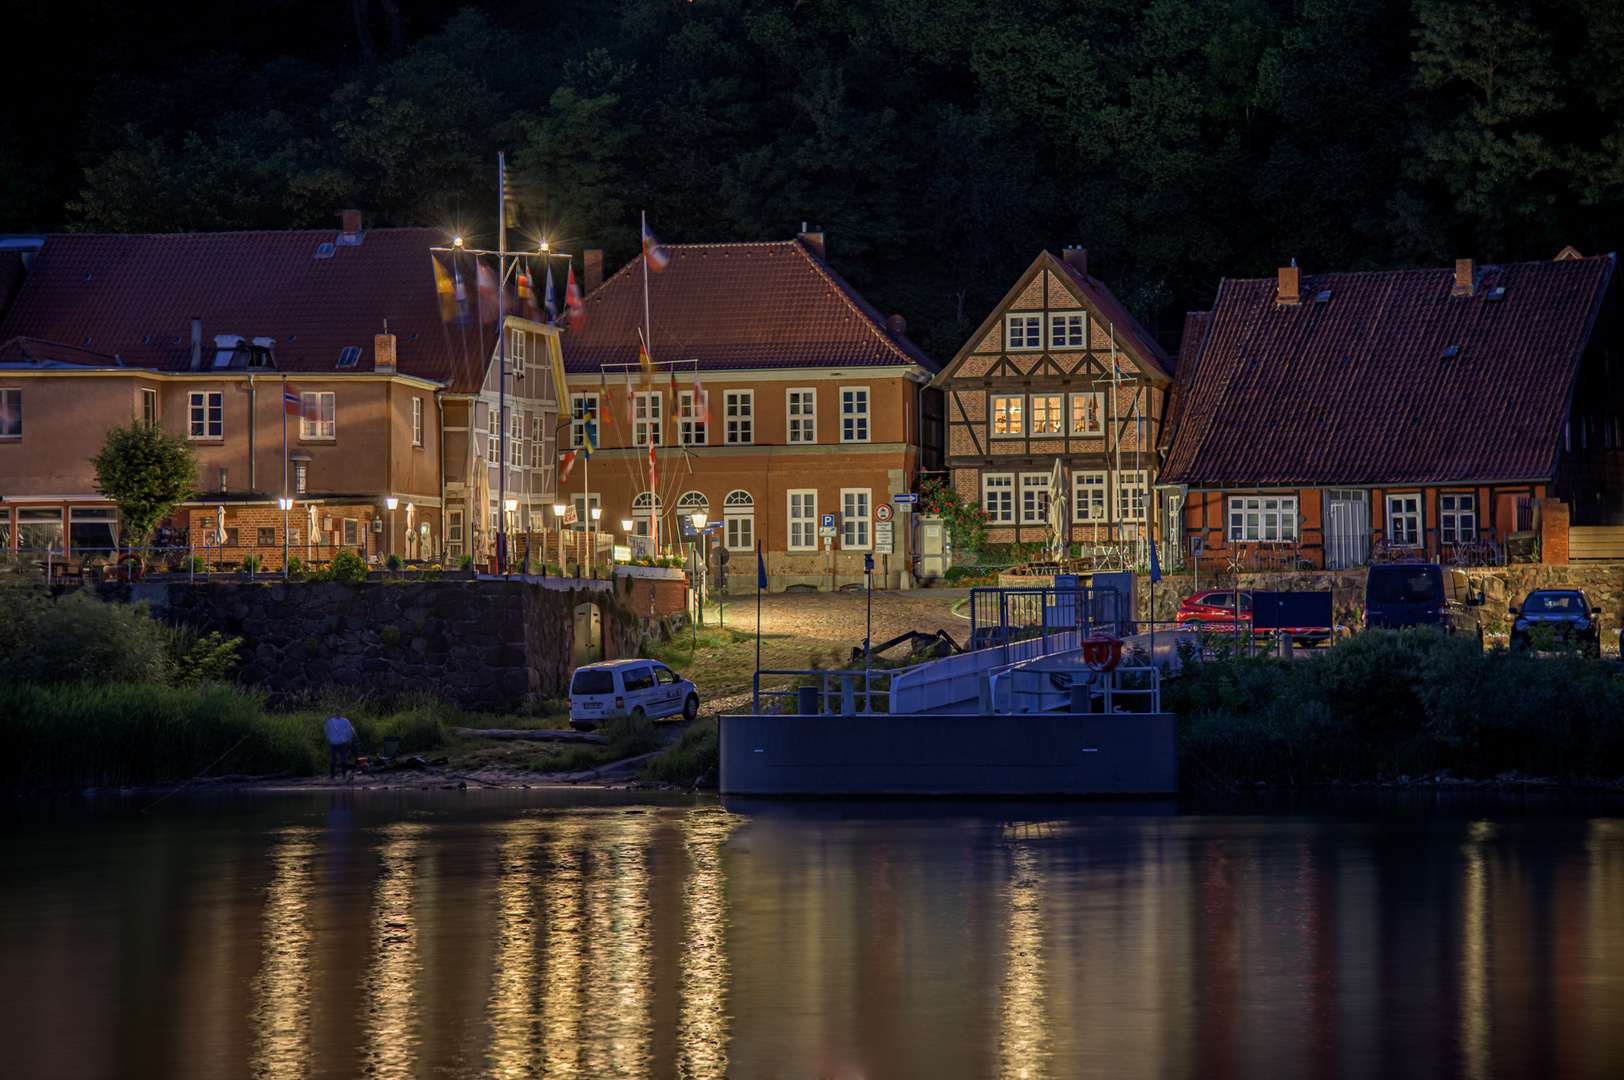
<point>1102,652</point>
<point>132,566</point>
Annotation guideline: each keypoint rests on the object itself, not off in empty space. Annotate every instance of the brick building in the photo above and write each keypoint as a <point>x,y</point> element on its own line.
<point>814,407</point>
<point>1059,371</point>
<point>1335,418</point>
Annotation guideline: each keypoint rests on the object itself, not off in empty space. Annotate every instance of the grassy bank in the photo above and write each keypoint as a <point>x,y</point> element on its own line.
<point>1414,702</point>
<point>118,734</point>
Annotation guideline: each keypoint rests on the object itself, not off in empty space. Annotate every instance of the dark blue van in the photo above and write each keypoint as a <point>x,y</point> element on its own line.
<point>1422,594</point>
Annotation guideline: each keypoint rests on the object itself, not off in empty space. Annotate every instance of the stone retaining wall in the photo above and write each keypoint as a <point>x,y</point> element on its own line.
<point>485,644</point>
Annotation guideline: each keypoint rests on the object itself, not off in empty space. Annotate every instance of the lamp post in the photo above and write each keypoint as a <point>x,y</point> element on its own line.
<point>390,503</point>
<point>627,525</point>
<point>698,517</point>
<point>558,520</point>
<point>509,508</point>
<point>592,538</point>
<point>286,504</point>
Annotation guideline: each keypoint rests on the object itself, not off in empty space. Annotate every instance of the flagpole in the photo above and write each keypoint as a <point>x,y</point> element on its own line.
<point>284,478</point>
<point>758,620</point>
<point>501,353</point>
<point>648,346</point>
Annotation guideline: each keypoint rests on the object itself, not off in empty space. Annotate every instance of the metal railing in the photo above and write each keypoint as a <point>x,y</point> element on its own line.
<point>852,685</point>
<point>1001,617</point>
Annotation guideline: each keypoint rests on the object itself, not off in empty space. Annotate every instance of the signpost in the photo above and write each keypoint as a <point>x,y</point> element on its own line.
<point>883,538</point>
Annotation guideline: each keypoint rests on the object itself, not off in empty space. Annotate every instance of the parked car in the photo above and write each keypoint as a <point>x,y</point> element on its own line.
<point>1214,610</point>
<point>634,688</point>
<point>1422,594</point>
<point>1567,613</point>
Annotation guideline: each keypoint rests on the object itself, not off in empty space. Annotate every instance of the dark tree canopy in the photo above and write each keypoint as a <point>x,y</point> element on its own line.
<point>939,143</point>
<point>146,472</point>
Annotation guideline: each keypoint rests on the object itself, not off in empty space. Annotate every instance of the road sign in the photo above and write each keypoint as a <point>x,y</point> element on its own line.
<point>1198,545</point>
<point>905,500</point>
<point>828,522</point>
<point>721,556</point>
<point>882,512</point>
<point>884,538</point>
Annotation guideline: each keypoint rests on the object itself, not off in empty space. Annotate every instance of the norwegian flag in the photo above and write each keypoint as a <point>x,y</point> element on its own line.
<point>572,302</point>
<point>701,402</point>
<point>566,464</point>
<point>292,401</point>
<point>658,257</point>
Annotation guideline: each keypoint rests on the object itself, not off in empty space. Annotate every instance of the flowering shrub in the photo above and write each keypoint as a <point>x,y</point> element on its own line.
<point>966,521</point>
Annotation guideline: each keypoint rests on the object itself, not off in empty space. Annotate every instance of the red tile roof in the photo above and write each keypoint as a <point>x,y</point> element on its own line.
<point>734,306</point>
<point>34,352</point>
<point>1145,346</point>
<point>1195,332</point>
<point>1358,390</point>
<point>135,295</point>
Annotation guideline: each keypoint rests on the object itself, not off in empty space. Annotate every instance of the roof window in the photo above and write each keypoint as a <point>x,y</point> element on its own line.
<point>1451,350</point>
<point>1497,293</point>
<point>1323,297</point>
<point>325,251</point>
<point>349,356</point>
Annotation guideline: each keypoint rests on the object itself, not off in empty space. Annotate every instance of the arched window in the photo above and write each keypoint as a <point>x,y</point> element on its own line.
<point>645,507</point>
<point>739,514</point>
<point>690,503</point>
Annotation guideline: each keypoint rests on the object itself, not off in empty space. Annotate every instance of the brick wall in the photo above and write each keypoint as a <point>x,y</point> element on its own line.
<point>1553,532</point>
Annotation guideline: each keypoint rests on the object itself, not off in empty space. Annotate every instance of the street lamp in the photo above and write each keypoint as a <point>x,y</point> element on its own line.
<point>510,506</point>
<point>286,504</point>
<point>558,520</point>
<point>592,537</point>
<point>390,502</point>
<point>699,517</point>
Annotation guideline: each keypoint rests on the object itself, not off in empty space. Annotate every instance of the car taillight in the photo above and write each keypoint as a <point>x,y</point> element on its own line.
<point>620,703</point>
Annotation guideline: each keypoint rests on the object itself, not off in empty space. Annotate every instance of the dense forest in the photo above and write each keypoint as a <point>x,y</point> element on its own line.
<point>939,143</point>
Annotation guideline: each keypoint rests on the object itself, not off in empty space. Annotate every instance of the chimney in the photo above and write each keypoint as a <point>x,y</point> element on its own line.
<point>896,326</point>
<point>592,271</point>
<point>1077,259</point>
<point>383,351</point>
<point>1288,292</point>
<point>812,241</point>
<point>197,343</point>
<point>1464,277</point>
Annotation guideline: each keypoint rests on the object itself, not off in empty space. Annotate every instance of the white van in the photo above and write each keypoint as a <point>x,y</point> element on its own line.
<point>614,688</point>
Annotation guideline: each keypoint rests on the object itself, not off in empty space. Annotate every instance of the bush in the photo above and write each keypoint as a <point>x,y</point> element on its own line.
<point>347,568</point>
<point>465,562</point>
<point>691,759</point>
<point>252,563</point>
<point>392,562</point>
<point>81,639</point>
<point>390,635</point>
<point>295,564</point>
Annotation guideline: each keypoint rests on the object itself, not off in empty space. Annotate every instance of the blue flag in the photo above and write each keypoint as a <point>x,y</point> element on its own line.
<point>761,568</point>
<point>549,304</point>
<point>1155,565</point>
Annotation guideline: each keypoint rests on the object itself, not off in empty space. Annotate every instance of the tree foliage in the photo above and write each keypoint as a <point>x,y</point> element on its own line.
<point>939,143</point>
<point>145,472</point>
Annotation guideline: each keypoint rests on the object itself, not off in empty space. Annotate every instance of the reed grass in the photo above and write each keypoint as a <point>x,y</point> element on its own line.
<point>692,758</point>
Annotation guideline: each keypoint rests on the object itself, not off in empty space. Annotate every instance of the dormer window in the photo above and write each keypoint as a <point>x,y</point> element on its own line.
<point>1024,332</point>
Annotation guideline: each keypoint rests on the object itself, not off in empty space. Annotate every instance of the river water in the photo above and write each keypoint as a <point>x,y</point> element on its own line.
<point>594,934</point>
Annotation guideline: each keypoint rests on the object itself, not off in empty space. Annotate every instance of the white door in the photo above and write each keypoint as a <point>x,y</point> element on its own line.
<point>1347,532</point>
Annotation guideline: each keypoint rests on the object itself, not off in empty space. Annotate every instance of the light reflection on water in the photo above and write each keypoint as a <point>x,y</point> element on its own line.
<point>673,938</point>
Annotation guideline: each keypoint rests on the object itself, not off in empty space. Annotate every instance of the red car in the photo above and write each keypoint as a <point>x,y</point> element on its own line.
<point>1214,610</point>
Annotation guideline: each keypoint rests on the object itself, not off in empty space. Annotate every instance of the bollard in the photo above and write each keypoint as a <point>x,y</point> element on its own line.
<point>807,700</point>
<point>1283,647</point>
<point>848,698</point>
<point>1082,697</point>
<point>984,694</point>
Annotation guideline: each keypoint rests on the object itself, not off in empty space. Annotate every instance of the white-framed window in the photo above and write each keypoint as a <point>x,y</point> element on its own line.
<point>581,406</point>
<point>739,408</point>
<point>1046,415</point>
<point>1088,415</point>
<point>645,508</point>
<point>690,503</point>
<point>11,414</point>
<point>493,436</point>
<point>319,419</point>
<point>352,532</point>
<point>803,519</point>
<point>206,409</point>
<point>854,520</point>
<point>1023,332</point>
<point>516,352</point>
<point>689,425</point>
<point>998,497</point>
<point>1069,331</point>
<point>584,502</point>
<point>1133,494</point>
<point>646,418</point>
<point>538,441</point>
<point>1404,519</point>
<point>1009,416</point>
<point>417,421</point>
<point>149,405</point>
<point>1457,518</point>
<point>516,438</point>
<point>1034,498</point>
<point>453,533</point>
<point>1254,518</point>
<point>854,414</point>
<point>301,477</point>
<point>1088,503</point>
<point>801,406</point>
<point>739,520</point>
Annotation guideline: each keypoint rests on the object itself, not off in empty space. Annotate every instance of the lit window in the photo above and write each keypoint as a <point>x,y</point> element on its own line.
<point>1007,416</point>
<point>319,412</point>
<point>998,497</point>
<point>803,418</point>
<point>1088,414</point>
<point>1025,332</point>
<point>854,414</point>
<point>1046,414</point>
<point>739,408</point>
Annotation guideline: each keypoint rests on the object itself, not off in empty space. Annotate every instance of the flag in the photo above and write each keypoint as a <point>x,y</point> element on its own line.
<point>527,293</point>
<point>561,389</point>
<point>630,401</point>
<point>487,292</point>
<point>1155,565</point>
<point>701,402</point>
<point>606,400</point>
<point>657,255</point>
<point>549,305</point>
<point>292,403</point>
<point>566,464</point>
<point>643,359</point>
<point>675,395</point>
<point>446,290</point>
<point>572,301</point>
<point>761,569</point>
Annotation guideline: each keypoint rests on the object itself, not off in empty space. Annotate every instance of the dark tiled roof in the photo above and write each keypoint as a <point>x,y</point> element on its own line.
<point>1195,332</point>
<point>34,352</point>
<point>1128,330</point>
<point>734,306</point>
<point>136,295</point>
<point>1358,389</point>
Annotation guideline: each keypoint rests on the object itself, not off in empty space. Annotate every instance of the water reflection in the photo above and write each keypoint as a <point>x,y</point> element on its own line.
<point>684,941</point>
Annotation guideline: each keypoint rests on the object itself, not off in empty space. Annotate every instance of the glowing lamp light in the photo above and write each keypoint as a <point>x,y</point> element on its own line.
<point>284,504</point>
<point>456,241</point>
<point>391,502</point>
<point>628,524</point>
<point>698,518</point>
<point>511,504</point>
<point>597,512</point>
<point>558,509</point>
